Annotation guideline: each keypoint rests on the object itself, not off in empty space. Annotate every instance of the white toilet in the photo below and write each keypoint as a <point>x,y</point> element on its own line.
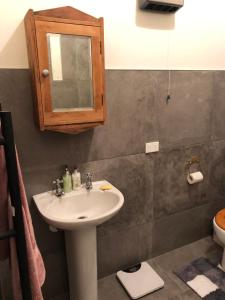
<point>219,230</point>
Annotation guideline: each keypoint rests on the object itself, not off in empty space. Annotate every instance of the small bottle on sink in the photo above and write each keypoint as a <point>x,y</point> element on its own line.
<point>76,179</point>
<point>67,181</point>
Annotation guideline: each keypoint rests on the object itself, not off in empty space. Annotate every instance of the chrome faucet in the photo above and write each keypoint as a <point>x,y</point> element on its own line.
<point>88,182</point>
<point>58,187</point>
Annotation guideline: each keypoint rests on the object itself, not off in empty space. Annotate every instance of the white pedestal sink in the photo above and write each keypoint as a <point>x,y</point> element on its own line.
<point>78,213</point>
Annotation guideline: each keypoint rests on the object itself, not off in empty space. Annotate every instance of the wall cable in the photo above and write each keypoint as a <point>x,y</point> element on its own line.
<point>168,97</point>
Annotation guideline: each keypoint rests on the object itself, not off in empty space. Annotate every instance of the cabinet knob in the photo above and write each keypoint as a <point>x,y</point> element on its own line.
<point>45,72</point>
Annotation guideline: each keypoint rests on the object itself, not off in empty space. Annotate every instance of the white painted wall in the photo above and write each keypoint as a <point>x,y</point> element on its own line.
<point>193,38</point>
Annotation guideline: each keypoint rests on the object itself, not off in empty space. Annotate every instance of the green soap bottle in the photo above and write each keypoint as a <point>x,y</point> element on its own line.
<point>67,181</point>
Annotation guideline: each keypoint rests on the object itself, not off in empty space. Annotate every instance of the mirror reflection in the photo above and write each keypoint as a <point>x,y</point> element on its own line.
<point>70,66</point>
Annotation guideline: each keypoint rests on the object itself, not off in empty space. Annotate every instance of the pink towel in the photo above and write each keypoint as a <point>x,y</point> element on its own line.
<point>35,262</point>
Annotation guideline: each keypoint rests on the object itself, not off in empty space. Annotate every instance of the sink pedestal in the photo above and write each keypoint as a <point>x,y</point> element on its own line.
<point>82,263</point>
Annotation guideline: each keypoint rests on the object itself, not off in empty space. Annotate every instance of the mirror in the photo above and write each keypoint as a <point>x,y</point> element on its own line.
<point>70,64</point>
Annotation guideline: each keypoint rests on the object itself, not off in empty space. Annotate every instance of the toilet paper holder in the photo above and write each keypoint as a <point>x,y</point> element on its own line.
<point>194,160</point>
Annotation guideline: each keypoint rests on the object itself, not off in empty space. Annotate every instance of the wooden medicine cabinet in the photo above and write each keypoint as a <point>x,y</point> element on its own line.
<point>66,56</point>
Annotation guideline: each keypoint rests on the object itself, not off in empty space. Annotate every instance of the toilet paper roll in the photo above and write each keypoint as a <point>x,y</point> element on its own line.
<point>195,177</point>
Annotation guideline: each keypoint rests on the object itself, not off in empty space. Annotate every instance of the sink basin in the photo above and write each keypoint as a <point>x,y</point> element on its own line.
<point>78,213</point>
<point>79,208</point>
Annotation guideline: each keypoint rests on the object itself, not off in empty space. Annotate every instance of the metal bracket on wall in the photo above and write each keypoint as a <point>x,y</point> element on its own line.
<point>194,160</point>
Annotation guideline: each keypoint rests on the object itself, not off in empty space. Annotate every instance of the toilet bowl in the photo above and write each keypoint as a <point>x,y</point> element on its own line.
<point>219,230</point>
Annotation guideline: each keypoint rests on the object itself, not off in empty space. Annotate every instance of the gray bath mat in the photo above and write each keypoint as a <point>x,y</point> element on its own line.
<point>204,278</point>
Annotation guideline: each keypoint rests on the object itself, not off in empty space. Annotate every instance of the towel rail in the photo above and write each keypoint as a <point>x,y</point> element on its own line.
<point>7,234</point>
<point>2,141</point>
<point>13,184</point>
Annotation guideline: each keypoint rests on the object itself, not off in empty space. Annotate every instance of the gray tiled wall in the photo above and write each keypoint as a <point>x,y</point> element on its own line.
<point>161,210</point>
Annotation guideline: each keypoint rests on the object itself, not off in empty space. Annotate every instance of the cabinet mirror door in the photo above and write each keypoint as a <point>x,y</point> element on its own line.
<point>70,66</point>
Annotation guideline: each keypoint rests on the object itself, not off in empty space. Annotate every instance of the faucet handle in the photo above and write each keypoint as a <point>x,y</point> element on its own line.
<point>88,174</point>
<point>57,182</point>
<point>58,187</point>
<point>88,181</point>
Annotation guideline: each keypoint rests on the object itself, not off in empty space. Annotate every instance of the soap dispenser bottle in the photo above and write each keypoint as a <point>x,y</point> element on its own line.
<point>76,179</point>
<point>67,181</point>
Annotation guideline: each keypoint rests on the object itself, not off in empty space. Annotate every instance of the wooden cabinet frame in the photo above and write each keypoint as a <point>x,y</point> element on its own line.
<point>65,20</point>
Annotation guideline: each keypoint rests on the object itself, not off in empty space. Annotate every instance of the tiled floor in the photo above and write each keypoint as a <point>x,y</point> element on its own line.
<point>174,289</point>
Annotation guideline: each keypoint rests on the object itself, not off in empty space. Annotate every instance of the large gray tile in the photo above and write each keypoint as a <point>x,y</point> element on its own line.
<point>121,249</point>
<point>187,118</point>
<point>183,228</point>
<point>218,110</point>
<point>35,147</point>
<point>128,94</point>
<point>172,193</point>
<point>133,176</point>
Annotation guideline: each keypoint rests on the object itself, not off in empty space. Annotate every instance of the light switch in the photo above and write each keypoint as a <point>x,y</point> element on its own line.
<point>152,147</point>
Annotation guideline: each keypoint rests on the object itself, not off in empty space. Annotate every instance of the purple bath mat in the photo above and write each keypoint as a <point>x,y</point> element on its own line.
<point>204,278</point>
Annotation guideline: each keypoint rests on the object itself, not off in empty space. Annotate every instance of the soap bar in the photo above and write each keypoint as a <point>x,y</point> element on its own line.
<point>105,187</point>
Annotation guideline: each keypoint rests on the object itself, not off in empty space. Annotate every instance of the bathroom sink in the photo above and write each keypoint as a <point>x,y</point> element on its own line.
<point>79,208</point>
<point>78,213</point>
